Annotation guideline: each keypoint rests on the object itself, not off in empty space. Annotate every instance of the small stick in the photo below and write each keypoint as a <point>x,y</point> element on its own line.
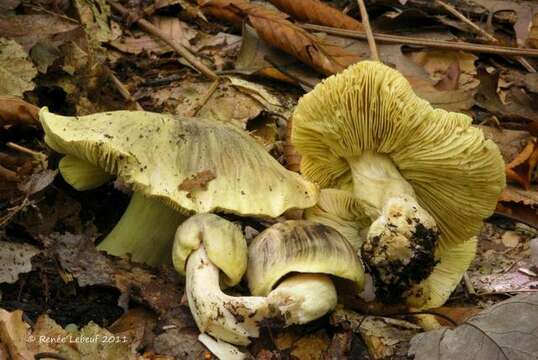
<point>23,149</point>
<point>468,284</point>
<point>368,29</point>
<point>440,44</point>
<point>481,31</point>
<point>194,111</point>
<point>180,49</point>
<point>7,174</point>
<point>122,89</point>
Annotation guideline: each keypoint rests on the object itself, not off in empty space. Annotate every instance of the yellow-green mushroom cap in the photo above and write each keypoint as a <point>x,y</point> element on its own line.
<point>369,111</point>
<point>223,241</point>
<point>156,153</point>
<point>456,173</point>
<point>300,246</point>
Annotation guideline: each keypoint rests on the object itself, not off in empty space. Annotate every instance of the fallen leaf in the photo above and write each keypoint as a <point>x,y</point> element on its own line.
<point>44,54</point>
<point>9,5</point>
<point>524,12</point>
<point>137,325</point>
<point>506,330</point>
<point>384,337</point>
<point>519,205</point>
<point>510,142</point>
<point>14,110</point>
<point>510,239</point>
<point>38,181</point>
<point>256,57</point>
<point>27,30</point>
<point>16,259</point>
<point>522,168</point>
<point>317,12</point>
<point>274,28</point>
<point>513,281</point>
<point>311,346</point>
<point>160,290</point>
<point>457,314</point>
<point>14,333</point>
<point>141,41</point>
<point>95,16</point>
<point>16,71</point>
<point>450,70</point>
<point>517,106</point>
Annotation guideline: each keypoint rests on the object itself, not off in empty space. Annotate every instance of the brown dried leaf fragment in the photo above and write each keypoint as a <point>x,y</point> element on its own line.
<point>196,182</point>
<point>274,28</point>
<point>522,167</point>
<point>317,12</point>
<point>14,110</point>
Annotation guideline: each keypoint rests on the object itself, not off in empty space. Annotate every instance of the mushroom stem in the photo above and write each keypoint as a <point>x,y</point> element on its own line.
<point>302,298</point>
<point>229,318</point>
<point>145,231</point>
<point>399,246</point>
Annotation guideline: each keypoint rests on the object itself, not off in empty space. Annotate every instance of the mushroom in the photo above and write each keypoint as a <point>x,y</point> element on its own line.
<point>290,263</point>
<point>175,166</point>
<point>424,177</point>
<point>211,252</point>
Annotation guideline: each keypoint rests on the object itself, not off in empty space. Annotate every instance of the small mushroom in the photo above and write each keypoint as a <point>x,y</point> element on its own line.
<point>424,177</point>
<point>175,166</point>
<point>210,250</point>
<point>290,263</point>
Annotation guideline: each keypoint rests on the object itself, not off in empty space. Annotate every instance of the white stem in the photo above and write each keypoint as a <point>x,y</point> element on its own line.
<point>229,318</point>
<point>302,298</point>
<point>376,179</point>
<point>400,241</point>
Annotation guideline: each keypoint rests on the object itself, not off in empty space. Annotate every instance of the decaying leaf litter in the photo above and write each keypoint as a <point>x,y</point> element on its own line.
<point>246,64</point>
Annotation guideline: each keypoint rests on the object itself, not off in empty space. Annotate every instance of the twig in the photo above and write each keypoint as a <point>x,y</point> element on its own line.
<point>181,50</point>
<point>7,174</point>
<point>25,150</point>
<point>468,284</point>
<point>368,29</point>
<point>195,109</point>
<point>440,44</point>
<point>481,31</point>
<point>122,89</point>
<point>463,18</point>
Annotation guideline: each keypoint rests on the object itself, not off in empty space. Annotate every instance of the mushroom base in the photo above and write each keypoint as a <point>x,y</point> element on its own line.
<point>145,231</point>
<point>395,278</point>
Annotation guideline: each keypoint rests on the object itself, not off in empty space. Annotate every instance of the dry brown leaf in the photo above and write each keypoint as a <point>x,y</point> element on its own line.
<point>29,29</point>
<point>385,338</point>
<point>274,28</point>
<point>16,259</point>
<point>141,41</point>
<point>13,333</point>
<point>523,166</point>
<point>256,57</point>
<point>317,12</point>
<point>456,314</point>
<point>14,110</point>
<point>519,204</point>
<point>450,70</point>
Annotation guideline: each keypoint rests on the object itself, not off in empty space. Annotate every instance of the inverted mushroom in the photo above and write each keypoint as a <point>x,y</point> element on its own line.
<point>291,264</point>
<point>175,166</point>
<point>425,177</point>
